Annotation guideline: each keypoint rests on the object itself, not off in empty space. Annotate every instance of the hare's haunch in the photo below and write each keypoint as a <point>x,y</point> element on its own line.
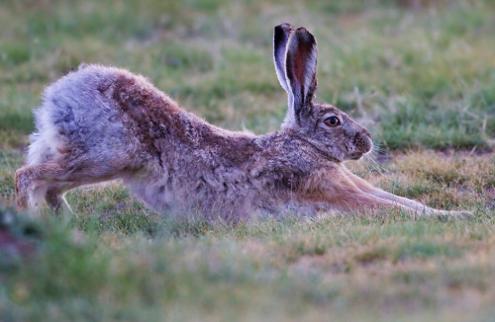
<point>101,123</point>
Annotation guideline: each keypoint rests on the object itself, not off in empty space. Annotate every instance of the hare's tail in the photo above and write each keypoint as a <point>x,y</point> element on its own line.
<point>46,142</point>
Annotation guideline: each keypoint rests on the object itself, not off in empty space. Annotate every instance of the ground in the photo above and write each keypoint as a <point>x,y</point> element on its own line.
<point>419,74</point>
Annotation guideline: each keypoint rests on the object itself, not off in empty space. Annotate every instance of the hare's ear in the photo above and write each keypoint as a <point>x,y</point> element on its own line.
<point>281,35</point>
<point>300,69</point>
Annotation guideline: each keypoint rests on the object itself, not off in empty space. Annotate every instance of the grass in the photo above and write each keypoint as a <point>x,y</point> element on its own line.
<point>421,79</point>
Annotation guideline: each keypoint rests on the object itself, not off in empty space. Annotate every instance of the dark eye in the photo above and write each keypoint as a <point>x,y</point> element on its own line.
<point>332,121</point>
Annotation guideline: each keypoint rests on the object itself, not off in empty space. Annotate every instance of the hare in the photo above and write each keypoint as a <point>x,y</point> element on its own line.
<point>102,123</point>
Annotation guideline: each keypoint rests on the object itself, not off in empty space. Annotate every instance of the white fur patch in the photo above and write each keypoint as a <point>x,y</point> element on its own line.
<point>45,141</point>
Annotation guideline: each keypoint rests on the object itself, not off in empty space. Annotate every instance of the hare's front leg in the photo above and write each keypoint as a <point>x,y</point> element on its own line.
<point>335,190</point>
<point>409,203</point>
<point>341,190</point>
<point>370,189</point>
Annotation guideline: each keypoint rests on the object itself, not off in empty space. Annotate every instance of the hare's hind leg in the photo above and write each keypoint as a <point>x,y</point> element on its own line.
<point>23,186</point>
<point>46,182</point>
<point>54,196</point>
<point>36,184</point>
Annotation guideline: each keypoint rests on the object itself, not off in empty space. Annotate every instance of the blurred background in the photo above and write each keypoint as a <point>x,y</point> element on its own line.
<point>417,72</point>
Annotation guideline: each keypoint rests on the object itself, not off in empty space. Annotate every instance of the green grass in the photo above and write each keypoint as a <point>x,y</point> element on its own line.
<point>422,80</point>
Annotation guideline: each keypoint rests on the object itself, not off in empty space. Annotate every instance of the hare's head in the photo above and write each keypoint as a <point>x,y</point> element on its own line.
<point>322,125</point>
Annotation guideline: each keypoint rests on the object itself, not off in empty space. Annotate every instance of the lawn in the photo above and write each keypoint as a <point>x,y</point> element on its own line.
<point>419,74</point>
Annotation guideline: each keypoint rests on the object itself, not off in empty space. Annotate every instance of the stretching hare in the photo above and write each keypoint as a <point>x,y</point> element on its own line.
<point>101,123</point>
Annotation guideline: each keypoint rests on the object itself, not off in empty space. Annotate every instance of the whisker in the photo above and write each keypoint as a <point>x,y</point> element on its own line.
<point>372,158</point>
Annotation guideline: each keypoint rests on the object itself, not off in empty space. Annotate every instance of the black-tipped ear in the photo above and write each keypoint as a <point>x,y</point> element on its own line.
<point>281,35</point>
<point>300,68</point>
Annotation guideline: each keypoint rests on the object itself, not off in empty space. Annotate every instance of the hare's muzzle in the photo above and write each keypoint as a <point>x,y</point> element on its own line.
<point>362,143</point>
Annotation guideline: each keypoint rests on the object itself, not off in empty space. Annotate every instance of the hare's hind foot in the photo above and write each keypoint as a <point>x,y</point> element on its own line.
<point>22,185</point>
<point>56,200</point>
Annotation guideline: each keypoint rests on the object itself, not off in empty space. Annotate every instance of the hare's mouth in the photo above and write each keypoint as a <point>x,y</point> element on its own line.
<point>355,156</point>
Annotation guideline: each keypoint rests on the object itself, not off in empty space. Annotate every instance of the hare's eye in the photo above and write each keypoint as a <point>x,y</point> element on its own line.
<point>332,121</point>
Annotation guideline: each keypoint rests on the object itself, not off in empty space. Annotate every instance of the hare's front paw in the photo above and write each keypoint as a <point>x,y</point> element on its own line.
<point>454,214</point>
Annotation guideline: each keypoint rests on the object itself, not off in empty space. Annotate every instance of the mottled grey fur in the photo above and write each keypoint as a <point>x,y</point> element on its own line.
<point>100,123</point>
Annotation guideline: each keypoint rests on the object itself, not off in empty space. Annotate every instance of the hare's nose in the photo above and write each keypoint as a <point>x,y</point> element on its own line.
<point>362,141</point>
